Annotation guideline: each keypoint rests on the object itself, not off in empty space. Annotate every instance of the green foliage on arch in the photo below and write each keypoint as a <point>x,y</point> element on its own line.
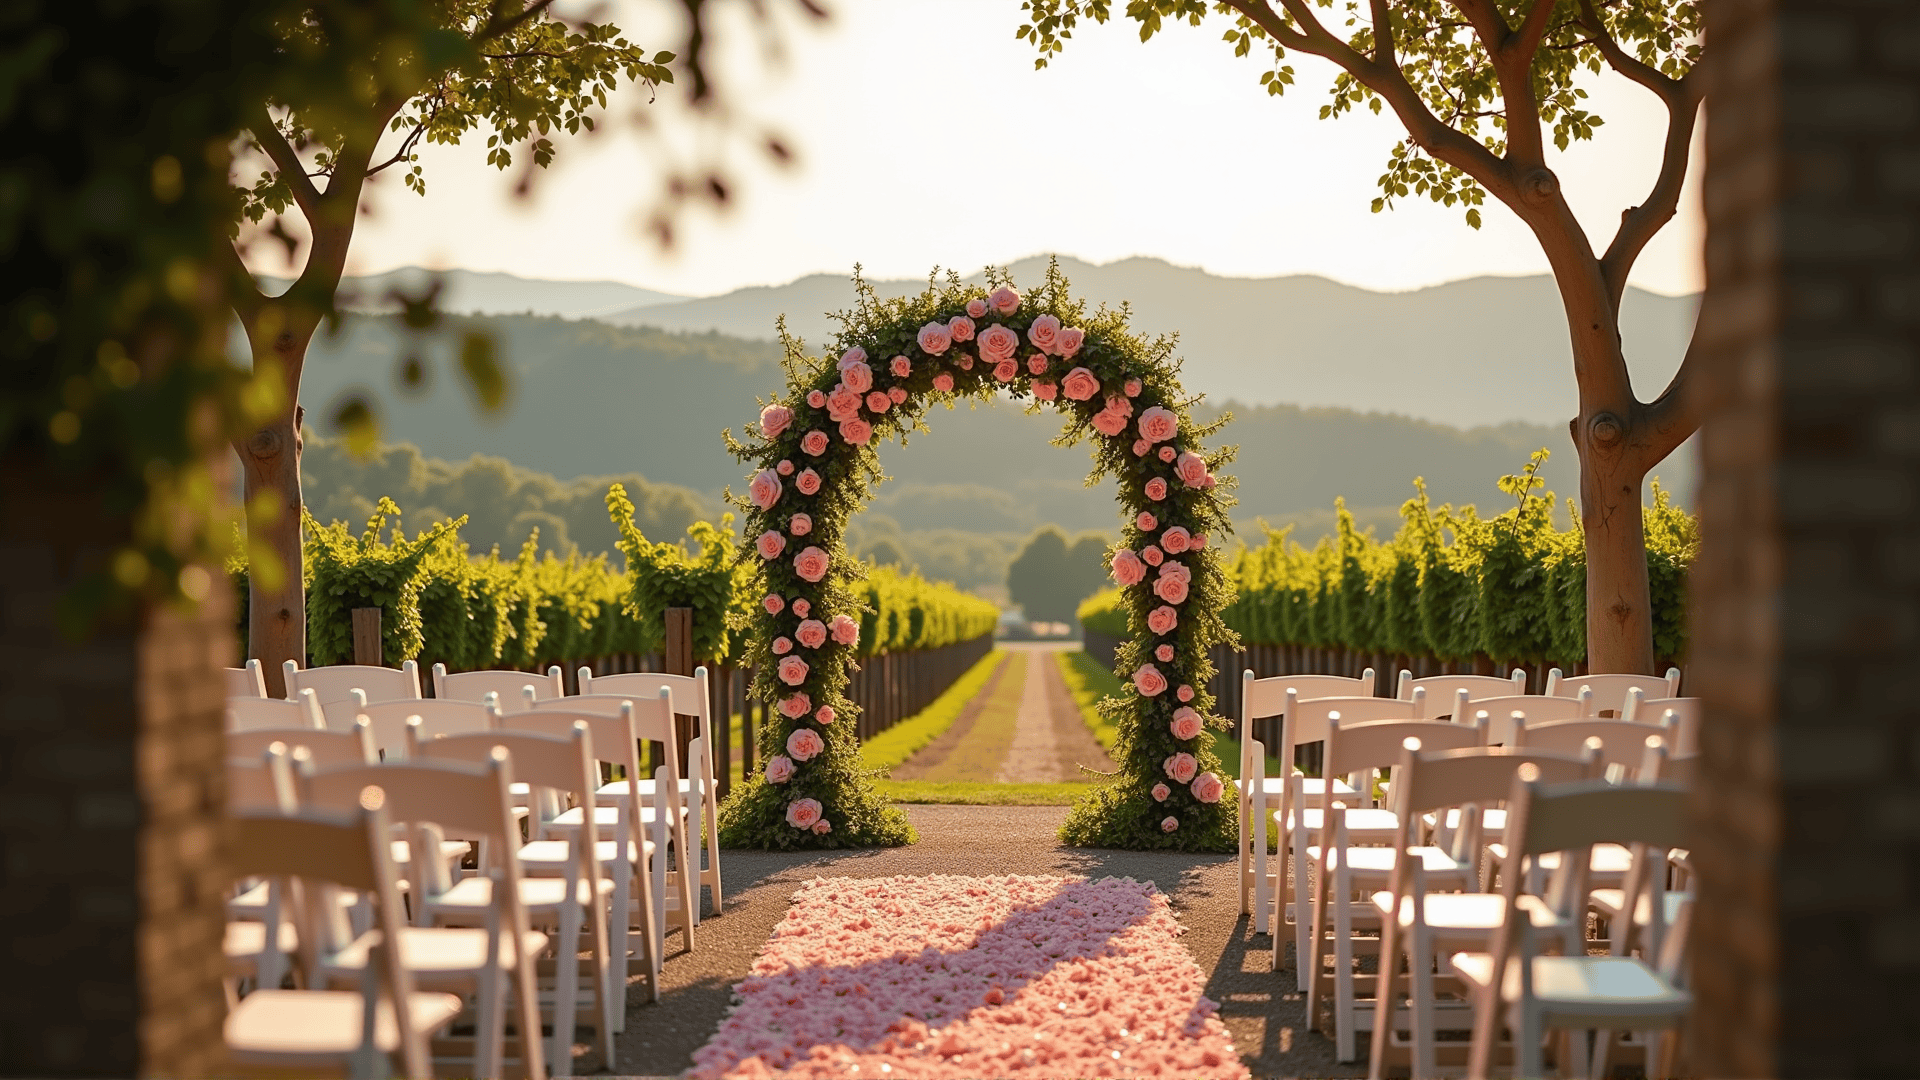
<point>815,448</point>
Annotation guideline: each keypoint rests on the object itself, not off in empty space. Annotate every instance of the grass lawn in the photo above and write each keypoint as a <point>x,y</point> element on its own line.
<point>1089,681</point>
<point>980,754</point>
<point>974,793</point>
<point>904,739</point>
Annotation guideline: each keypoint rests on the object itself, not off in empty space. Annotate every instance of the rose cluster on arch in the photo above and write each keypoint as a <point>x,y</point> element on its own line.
<point>815,451</point>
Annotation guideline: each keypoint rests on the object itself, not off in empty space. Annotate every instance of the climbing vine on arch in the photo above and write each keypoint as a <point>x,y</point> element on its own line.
<point>815,452</point>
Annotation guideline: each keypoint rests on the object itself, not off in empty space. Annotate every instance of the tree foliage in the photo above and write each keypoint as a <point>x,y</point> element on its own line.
<point>1051,575</point>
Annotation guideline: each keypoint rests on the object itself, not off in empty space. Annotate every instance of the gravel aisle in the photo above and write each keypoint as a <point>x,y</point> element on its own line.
<point>1259,1007</point>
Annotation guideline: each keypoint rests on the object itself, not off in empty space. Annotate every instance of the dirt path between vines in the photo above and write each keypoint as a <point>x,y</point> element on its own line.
<point>1051,742</point>
<point>935,754</point>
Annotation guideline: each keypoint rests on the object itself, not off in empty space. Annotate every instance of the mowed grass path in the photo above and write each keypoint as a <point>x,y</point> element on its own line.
<point>978,756</point>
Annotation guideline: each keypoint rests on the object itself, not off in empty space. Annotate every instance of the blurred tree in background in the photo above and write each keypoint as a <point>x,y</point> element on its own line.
<point>1052,574</point>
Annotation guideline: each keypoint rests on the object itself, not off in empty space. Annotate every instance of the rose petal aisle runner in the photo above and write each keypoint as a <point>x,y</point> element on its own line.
<point>973,977</point>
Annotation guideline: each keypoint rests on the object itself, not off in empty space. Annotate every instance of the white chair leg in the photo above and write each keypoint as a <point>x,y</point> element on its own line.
<point>489,1030</point>
<point>1420,990</point>
<point>1527,1036</point>
<point>566,990</point>
<point>1339,898</point>
<point>1257,804</point>
<point>1303,927</point>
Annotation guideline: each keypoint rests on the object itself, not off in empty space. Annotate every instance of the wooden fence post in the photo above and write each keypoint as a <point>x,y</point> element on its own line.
<point>678,660</point>
<point>366,637</point>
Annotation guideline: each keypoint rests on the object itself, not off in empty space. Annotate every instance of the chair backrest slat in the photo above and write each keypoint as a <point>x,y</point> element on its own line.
<point>1307,721</point>
<point>1536,708</point>
<point>1580,814</point>
<point>325,748</point>
<point>1622,742</point>
<point>389,720</point>
<point>1476,776</point>
<point>249,681</point>
<point>334,685</point>
<point>1441,689</point>
<point>454,794</point>
<point>474,686</point>
<point>648,718</point>
<point>1353,746</point>
<point>254,714</point>
<point>1610,691</point>
<point>319,845</point>
<point>1266,697</point>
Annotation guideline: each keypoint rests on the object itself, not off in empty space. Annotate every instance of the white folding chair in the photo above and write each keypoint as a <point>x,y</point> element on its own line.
<point>249,681</point>
<point>271,714</point>
<point>258,783</point>
<point>1265,699</point>
<point>437,718</point>
<point>1343,863</point>
<point>485,962</point>
<point>1512,986</point>
<point>360,1031</point>
<point>1537,708</point>
<point>1683,711</point>
<point>334,686</point>
<point>700,788</point>
<point>476,685</point>
<point>569,906</point>
<point>326,748</point>
<point>1443,690</point>
<point>1308,722</point>
<point>1422,924</point>
<point>1610,691</point>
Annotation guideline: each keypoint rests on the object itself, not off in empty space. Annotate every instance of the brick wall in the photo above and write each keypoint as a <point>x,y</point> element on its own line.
<point>1807,593</point>
<point>110,797</point>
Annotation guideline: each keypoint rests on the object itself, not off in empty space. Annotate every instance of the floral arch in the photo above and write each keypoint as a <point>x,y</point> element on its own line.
<point>815,448</point>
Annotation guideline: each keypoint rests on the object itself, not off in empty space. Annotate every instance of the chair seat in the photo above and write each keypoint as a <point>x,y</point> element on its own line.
<point>616,790</point>
<point>544,894</point>
<point>435,955</point>
<point>1610,862</point>
<point>1582,987</point>
<point>244,943</point>
<point>317,1028</point>
<point>1363,823</point>
<point>1493,820</point>
<point>252,904</point>
<point>1609,901</point>
<point>1468,914</point>
<point>1313,787</point>
<point>604,816</point>
<point>548,857</point>
<point>1378,861</point>
<point>453,851</point>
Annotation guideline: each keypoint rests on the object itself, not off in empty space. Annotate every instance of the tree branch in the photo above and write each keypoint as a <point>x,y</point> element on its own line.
<point>1618,59</point>
<point>243,292</point>
<point>497,26</point>
<point>1526,41</point>
<point>285,161</point>
<point>1639,224</point>
<point>1669,419</point>
<point>1383,51</point>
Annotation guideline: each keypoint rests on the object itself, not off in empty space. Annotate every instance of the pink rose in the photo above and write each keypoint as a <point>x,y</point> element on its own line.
<point>943,382</point>
<point>1119,405</point>
<point>1109,423</point>
<point>1005,300</point>
<point>801,607</point>
<point>898,394</point>
<point>1069,341</point>
<point>803,813</point>
<point>1133,388</point>
<point>1080,385</point>
<point>965,362</point>
<point>814,442</point>
<point>824,714</point>
<point>879,402</point>
<point>1210,481</point>
<point>1186,724</point>
<point>1148,680</point>
<point>1169,824</point>
<point>1140,447</point>
<point>785,468</point>
<point>1208,788</point>
<point>779,769</point>
<point>1175,540</point>
<point>1128,570</point>
<point>1044,333</point>
<point>1163,619</point>
<point>1171,589</point>
<point>1156,488</point>
<point>1037,365</point>
<point>812,633</point>
<point>1159,424</point>
<point>1160,792</point>
<point>774,420</point>
<point>764,489</point>
<point>1185,693</point>
<point>960,327</point>
<point>935,338</point>
<point>857,432</point>
<point>806,743</point>
<point>1045,391</point>
<point>773,604</point>
<point>1152,554</point>
<point>858,377</point>
<point>800,524</point>
<point>808,481</point>
<point>1005,370</point>
<point>793,671</point>
<point>816,398</point>
<point>1180,767</point>
<point>1199,541</point>
<point>1166,453</point>
<point>1164,654</point>
<point>782,646</point>
<point>1145,521</point>
<point>1176,570</point>
<point>977,308</point>
<point>855,355</point>
<point>822,827</point>
<point>998,343</point>
<point>795,707</point>
<point>900,366</point>
<point>843,404</point>
<point>770,544</point>
<point>1192,469</point>
<point>845,630</point>
<point>810,564</point>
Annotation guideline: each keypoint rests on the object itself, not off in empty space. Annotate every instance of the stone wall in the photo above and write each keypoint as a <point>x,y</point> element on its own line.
<point>1807,594</point>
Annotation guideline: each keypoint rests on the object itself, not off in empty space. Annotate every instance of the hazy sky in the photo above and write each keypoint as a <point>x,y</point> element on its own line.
<point>925,136</point>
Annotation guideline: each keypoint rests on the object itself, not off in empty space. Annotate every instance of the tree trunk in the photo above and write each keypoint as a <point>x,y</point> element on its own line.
<point>277,611</point>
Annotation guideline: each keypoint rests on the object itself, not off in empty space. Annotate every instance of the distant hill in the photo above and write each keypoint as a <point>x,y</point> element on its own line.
<point>480,292</point>
<point>593,399</point>
<point>1486,350</point>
